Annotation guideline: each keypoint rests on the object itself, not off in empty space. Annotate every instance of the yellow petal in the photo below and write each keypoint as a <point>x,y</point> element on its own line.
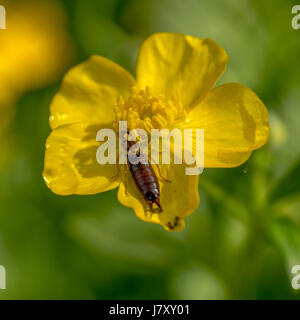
<point>235,122</point>
<point>70,162</point>
<point>89,92</point>
<point>179,198</point>
<point>172,63</point>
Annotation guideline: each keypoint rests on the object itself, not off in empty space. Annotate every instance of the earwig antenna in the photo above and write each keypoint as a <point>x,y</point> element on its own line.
<point>158,204</point>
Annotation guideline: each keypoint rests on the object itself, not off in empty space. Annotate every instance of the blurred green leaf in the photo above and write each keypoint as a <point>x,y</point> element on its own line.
<point>198,283</point>
<point>286,236</point>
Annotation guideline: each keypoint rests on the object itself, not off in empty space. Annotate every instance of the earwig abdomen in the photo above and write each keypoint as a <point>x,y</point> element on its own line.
<point>146,181</point>
<point>144,177</point>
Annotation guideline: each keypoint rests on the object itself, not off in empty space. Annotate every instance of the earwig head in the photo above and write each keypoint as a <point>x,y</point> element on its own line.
<point>153,197</point>
<point>150,196</point>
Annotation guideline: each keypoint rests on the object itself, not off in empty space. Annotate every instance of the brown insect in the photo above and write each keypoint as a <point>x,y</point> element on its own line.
<point>146,181</point>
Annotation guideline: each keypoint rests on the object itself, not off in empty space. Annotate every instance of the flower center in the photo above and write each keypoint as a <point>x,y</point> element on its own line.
<point>145,111</point>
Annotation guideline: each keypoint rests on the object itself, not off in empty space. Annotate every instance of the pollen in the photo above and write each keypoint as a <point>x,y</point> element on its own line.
<point>146,111</point>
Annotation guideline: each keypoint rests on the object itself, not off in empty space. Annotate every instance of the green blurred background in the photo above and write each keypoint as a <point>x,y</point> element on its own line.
<point>244,238</point>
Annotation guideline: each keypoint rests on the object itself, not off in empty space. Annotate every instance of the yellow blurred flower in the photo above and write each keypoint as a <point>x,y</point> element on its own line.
<point>34,48</point>
<point>174,80</point>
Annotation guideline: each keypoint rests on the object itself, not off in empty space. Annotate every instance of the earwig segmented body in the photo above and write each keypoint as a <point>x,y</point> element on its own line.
<point>146,181</point>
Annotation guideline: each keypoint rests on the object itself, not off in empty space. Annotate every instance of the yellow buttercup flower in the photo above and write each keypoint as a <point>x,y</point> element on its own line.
<point>34,48</point>
<point>175,76</point>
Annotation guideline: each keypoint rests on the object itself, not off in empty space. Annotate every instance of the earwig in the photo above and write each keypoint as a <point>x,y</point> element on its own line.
<point>146,181</point>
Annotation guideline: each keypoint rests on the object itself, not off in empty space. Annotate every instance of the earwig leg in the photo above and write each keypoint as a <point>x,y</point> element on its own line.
<point>125,180</point>
<point>159,171</point>
<point>160,174</point>
<point>118,170</point>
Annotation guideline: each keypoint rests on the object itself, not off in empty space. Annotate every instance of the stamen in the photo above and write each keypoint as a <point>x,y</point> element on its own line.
<point>146,111</point>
